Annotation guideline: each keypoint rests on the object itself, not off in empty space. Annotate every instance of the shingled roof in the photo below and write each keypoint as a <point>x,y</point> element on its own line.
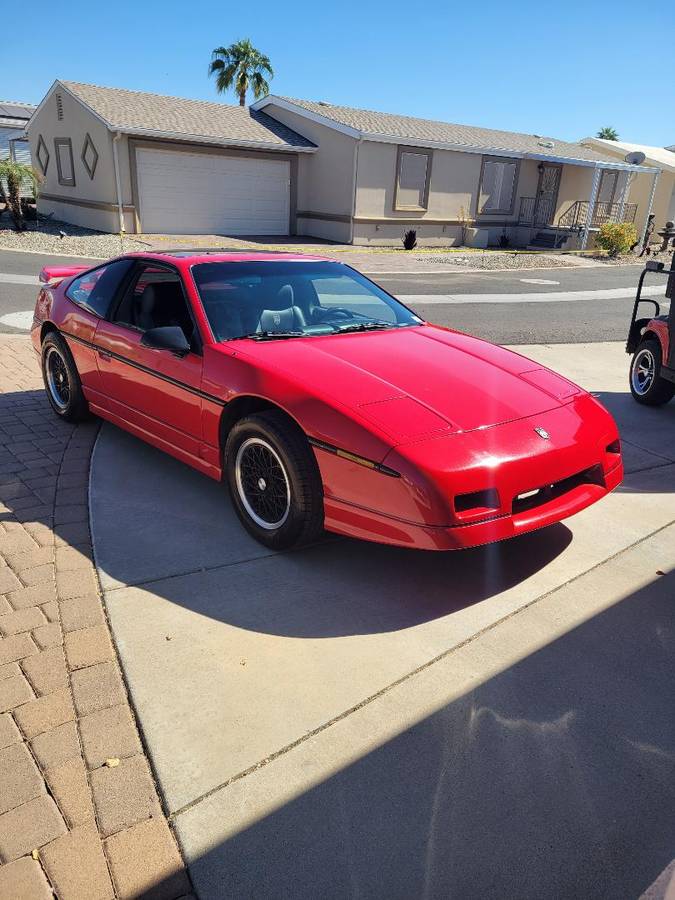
<point>15,115</point>
<point>427,131</point>
<point>137,112</point>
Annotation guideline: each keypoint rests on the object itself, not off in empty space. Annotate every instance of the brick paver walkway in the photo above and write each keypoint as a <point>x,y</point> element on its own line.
<point>79,812</point>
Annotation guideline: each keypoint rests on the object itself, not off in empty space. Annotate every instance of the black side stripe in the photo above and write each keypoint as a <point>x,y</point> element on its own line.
<point>353,457</point>
<point>321,445</point>
<point>147,370</point>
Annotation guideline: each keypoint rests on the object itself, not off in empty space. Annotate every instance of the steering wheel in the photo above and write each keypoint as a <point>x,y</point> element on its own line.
<point>340,312</point>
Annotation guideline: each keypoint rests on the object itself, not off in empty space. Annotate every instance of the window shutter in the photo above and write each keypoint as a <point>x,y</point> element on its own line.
<point>491,185</point>
<point>412,180</point>
<point>508,185</point>
<point>499,181</point>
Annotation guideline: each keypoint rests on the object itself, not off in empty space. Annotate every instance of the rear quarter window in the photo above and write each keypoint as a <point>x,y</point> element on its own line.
<point>96,289</point>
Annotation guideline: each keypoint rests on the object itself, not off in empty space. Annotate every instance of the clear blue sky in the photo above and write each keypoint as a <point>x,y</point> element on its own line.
<point>560,69</point>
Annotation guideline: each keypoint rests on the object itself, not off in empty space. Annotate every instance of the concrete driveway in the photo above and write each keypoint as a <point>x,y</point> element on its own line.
<point>356,720</point>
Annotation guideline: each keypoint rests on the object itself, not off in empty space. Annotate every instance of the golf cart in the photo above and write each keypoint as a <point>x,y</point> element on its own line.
<point>652,343</point>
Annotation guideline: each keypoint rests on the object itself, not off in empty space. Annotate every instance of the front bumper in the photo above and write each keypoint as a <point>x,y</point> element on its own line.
<point>466,489</point>
<point>367,524</point>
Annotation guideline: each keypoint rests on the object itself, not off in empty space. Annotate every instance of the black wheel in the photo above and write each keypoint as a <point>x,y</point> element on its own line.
<point>646,384</point>
<point>274,481</point>
<point>62,382</point>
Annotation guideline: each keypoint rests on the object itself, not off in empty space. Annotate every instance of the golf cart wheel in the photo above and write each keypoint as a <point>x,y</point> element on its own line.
<point>61,380</point>
<point>646,384</point>
<point>274,481</point>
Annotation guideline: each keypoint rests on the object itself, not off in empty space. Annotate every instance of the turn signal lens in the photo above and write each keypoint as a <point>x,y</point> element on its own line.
<point>477,505</point>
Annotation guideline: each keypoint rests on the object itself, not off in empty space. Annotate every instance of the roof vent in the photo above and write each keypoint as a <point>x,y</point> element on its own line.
<point>59,107</point>
<point>548,144</point>
<point>323,103</point>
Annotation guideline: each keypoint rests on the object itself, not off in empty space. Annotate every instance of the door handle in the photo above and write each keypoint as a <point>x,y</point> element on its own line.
<point>104,354</point>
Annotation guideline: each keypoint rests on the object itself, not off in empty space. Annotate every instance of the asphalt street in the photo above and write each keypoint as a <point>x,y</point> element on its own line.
<point>586,314</point>
<point>516,307</point>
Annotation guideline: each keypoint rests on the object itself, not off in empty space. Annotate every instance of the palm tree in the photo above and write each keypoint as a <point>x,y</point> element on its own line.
<point>241,66</point>
<point>608,133</point>
<point>13,176</point>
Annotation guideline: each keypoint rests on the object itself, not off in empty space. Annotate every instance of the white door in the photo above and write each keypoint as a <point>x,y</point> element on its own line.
<point>201,193</point>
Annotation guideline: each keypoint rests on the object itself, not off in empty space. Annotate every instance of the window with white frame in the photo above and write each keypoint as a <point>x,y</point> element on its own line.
<point>413,171</point>
<point>498,185</point>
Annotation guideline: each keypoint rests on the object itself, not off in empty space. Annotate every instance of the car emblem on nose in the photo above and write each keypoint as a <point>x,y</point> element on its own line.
<point>543,433</point>
<point>276,318</point>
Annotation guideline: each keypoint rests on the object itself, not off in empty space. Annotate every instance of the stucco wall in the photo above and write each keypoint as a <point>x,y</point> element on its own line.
<point>575,184</point>
<point>453,184</point>
<point>325,178</point>
<point>639,193</point>
<point>454,178</point>
<point>76,123</point>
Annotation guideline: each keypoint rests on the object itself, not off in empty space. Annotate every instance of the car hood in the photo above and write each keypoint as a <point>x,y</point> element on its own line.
<point>417,381</point>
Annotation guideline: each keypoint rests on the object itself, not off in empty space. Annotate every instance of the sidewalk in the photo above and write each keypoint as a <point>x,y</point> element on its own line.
<point>79,811</point>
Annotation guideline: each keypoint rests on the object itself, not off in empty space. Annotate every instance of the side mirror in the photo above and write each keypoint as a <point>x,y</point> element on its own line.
<point>170,337</point>
<point>654,266</point>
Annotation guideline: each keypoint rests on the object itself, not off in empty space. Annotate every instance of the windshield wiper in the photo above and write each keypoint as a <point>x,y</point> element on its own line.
<point>269,335</point>
<point>365,326</point>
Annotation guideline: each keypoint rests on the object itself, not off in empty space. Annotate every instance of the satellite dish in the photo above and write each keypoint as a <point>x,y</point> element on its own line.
<point>636,158</point>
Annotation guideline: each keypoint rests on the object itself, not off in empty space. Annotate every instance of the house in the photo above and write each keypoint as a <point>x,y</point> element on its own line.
<point>662,158</point>
<point>114,159</point>
<point>14,118</point>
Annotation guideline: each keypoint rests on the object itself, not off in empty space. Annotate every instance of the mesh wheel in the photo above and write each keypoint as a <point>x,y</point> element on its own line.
<point>274,481</point>
<point>62,381</point>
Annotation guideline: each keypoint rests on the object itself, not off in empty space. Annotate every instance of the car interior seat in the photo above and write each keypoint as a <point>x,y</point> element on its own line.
<point>163,304</point>
<point>284,314</point>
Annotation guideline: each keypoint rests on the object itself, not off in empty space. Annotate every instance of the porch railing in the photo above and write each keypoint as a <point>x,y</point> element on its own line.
<point>575,216</point>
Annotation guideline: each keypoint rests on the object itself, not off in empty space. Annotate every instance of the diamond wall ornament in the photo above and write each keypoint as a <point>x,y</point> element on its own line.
<point>89,156</point>
<point>42,155</point>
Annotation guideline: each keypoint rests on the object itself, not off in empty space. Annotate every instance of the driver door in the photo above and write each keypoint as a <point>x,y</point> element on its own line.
<point>155,391</point>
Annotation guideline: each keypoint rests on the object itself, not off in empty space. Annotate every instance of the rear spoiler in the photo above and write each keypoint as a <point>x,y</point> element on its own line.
<point>54,274</point>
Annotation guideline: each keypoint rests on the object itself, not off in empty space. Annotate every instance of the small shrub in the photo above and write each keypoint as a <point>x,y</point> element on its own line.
<point>504,241</point>
<point>465,221</point>
<point>410,239</point>
<point>616,237</point>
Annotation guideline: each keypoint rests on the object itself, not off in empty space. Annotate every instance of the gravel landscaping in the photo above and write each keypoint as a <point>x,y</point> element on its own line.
<point>631,259</point>
<point>64,239</point>
<point>77,241</point>
<point>496,260</point>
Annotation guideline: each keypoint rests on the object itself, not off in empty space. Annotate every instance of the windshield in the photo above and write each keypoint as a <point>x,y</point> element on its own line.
<point>273,300</point>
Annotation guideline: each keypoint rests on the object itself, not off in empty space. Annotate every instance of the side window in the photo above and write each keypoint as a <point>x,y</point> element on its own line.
<point>155,299</point>
<point>96,290</point>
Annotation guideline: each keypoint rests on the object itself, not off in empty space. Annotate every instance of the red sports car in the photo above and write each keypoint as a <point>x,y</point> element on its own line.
<point>322,400</point>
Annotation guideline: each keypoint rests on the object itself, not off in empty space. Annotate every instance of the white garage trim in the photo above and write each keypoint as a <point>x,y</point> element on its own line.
<point>190,189</point>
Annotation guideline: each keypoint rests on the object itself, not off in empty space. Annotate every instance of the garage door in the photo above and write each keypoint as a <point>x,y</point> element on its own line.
<point>200,193</point>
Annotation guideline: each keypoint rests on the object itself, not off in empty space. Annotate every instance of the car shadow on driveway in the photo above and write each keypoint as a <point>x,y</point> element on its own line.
<point>173,528</point>
<point>647,435</point>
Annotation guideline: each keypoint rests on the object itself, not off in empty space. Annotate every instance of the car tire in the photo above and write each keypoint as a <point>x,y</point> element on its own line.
<point>646,384</point>
<point>62,381</point>
<point>274,481</point>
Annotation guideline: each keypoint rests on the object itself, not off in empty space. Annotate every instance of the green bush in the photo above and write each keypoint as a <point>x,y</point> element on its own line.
<point>616,237</point>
